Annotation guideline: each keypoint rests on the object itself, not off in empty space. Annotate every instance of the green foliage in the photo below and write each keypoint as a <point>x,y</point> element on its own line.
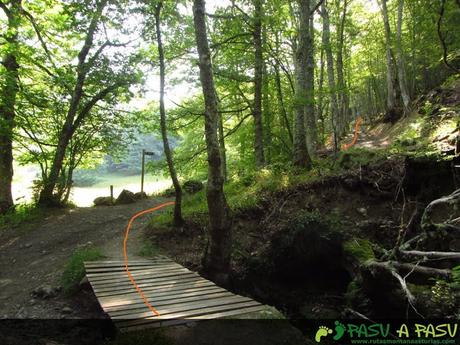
<point>361,249</point>
<point>74,270</point>
<point>455,284</point>
<point>23,213</point>
<point>148,249</point>
<point>442,295</point>
<point>355,157</point>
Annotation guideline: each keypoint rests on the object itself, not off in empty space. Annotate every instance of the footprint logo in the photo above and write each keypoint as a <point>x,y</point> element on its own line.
<point>323,331</point>
<point>339,330</point>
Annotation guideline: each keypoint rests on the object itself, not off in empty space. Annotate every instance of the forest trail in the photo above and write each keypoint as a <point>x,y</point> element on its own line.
<point>35,256</point>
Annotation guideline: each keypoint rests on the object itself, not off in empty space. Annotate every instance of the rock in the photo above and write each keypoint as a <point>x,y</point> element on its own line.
<point>103,201</point>
<point>45,292</point>
<point>125,197</point>
<point>362,211</point>
<point>193,186</point>
<point>442,210</point>
<point>140,195</point>
<point>67,310</point>
<point>28,245</point>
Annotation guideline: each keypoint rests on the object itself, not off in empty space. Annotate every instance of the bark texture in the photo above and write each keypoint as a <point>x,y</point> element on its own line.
<point>8,94</point>
<point>301,156</point>
<point>217,260</point>
<point>258,82</point>
<point>178,220</point>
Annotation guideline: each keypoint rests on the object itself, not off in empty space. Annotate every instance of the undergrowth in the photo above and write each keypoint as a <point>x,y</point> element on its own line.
<point>23,213</point>
<point>75,271</point>
<point>243,192</point>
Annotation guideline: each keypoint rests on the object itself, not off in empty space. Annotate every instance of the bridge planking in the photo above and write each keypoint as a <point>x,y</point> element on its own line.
<point>178,294</point>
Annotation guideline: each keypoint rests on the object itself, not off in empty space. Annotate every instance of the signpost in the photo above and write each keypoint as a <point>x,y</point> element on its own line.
<point>144,153</point>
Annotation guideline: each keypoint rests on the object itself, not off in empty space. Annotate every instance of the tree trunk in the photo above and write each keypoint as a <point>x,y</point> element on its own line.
<point>330,74</point>
<point>392,112</point>
<point>301,156</point>
<point>281,104</point>
<point>223,151</point>
<point>8,94</point>
<point>343,95</point>
<point>217,261</point>
<point>400,60</point>
<point>258,82</point>
<point>178,220</point>
<point>310,116</point>
<point>321,98</point>
<point>46,195</point>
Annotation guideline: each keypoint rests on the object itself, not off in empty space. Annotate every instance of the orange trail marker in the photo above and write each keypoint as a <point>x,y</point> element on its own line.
<point>125,241</point>
<point>355,136</point>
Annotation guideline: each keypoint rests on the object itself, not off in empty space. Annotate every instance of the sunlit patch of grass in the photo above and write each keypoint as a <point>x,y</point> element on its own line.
<point>444,128</point>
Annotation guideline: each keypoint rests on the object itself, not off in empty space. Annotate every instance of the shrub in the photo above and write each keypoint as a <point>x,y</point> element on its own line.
<point>75,270</point>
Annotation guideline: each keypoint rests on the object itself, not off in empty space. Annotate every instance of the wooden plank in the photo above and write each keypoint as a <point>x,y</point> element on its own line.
<point>102,286</point>
<point>123,276</point>
<point>141,307</point>
<point>184,314</point>
<point>173,322</point>
<point>168,292</point>
<point>176,292</point>
<point>123,269</point>
<point>168,309</point>
<point>160,288</point>
<point>109,275</point>
<point>228,313</point>
<point>122,263</point>
<point>144,287</point>
<point>137,300</point>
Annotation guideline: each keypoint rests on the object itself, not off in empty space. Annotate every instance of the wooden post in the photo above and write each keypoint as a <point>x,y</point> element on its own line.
<point>142,171</point>
<point>111,194</point>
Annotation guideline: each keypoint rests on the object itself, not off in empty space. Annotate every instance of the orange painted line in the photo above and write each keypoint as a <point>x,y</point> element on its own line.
<point>125,241</point>
<point>355,135</point>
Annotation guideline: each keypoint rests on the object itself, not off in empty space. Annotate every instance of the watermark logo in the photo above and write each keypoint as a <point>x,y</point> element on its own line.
<point>380,333</point>
<point>324,331</point>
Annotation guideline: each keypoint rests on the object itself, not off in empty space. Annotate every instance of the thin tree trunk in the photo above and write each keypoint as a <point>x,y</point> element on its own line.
<point>217,261</point>
<point>266,116</point>
<point>258,82</point>
<point>320,96</point>
<point>301,156</point>
<point>8,94</point>
<point>223,151</point>
<point>281,104</point>
<point>343,96</point>
<point>178,220</point>
<point>68,129</point>
<point>400,61</point>
<point>330,74</point>
<point>310,114</point>
<point>391,80</point>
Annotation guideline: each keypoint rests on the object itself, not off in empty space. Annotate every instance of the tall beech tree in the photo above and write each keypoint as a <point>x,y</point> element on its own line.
<point>82,100</point>
<point>178,220</point>
<point>217,261</point>
<point>392,82</point>
<point>8,91</point>
<point>326,40</point>
<point>258,83</point>
<point>303,93</point>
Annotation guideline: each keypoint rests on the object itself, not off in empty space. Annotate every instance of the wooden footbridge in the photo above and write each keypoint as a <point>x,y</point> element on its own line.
<point>178,294</point>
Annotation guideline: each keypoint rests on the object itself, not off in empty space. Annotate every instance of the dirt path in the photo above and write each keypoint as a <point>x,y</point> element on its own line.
<point>36,257</point>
